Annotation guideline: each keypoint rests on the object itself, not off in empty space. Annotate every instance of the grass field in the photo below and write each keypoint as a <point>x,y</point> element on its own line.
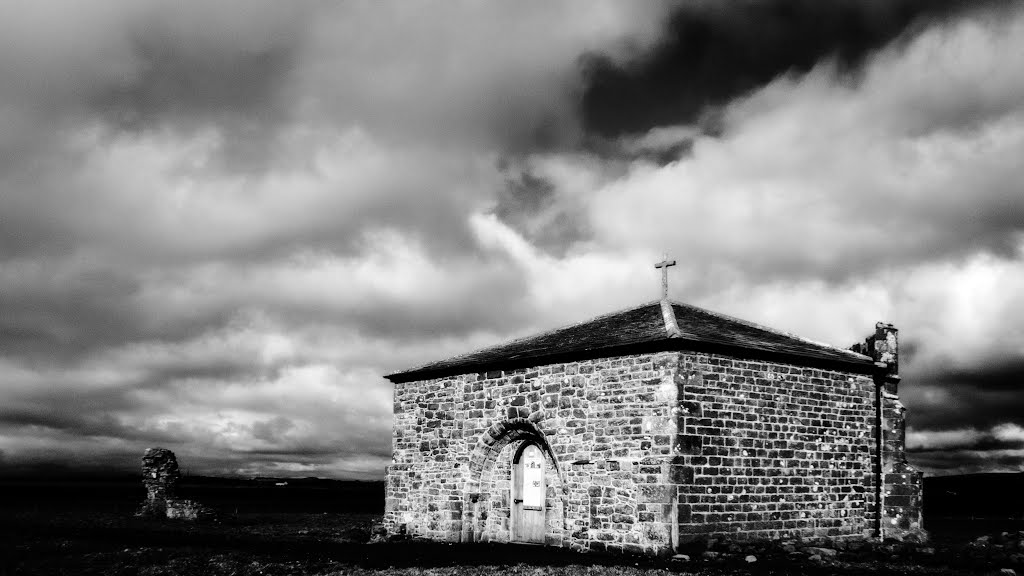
<point>323,528</point>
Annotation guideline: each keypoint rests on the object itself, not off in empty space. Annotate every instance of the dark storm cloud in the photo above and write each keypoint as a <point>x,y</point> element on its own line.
<point>57,314</point>
<point>219,369</point>
<point>985,443</point>
<point>238,92</point>
<point>62,316</point>
<point>315,452</point>
<point>73,423</point>
<point>997,375</point>
<point>268,430</point>
<point>60,407</point>
<point>147,66</point>
<point>968,449</point>
<point>963,405</point>
<point>529,204</point>
<point>967,419</point>
<point>189,88</point>
<point>714,52</point>
<point>968,461</point>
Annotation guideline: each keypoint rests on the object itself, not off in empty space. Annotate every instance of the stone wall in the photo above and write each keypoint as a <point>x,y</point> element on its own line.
<point>607,426</point>
<point>902,484</point>
<point>644,451</point>
<point>901,489</point>
<point>774,451</point>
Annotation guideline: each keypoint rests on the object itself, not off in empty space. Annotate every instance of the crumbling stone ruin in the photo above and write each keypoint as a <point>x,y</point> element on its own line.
<point>160,476</point>
<point>650,428</point>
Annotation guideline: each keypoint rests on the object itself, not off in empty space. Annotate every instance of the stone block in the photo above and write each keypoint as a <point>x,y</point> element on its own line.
<point>689,444</point>
<point>681,474</point>
<point>655,492</point>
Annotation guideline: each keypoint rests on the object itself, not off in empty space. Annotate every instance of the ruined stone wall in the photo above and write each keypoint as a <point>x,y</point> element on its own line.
<point>772,450</point>
<point>902,484</point>
<point>901,491</point>
<point>607,426</point>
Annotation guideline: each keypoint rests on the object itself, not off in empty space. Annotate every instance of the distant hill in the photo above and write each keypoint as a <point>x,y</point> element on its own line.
<point>260,494</point>
<point>978,496</point>
<point>992,496</point>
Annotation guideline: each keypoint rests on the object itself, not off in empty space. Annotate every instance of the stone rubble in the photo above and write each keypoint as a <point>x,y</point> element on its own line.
<point>1001,553</point>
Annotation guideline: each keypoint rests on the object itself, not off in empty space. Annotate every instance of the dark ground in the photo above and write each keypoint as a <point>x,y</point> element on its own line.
<point>321,527</point>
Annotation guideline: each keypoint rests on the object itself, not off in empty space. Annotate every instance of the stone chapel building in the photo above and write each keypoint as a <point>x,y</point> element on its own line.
<point>649,427</point>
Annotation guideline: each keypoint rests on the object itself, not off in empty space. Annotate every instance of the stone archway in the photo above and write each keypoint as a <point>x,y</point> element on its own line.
<point>482,460</point>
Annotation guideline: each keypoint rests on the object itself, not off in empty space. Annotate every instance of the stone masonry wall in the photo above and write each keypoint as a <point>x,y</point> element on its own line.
<point>643,451</point>
<point>772,450</point>
<point>902,484</point>
<point>607,425</point>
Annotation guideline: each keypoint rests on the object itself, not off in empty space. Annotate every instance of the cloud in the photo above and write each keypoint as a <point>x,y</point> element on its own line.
<point>220,224</point>
<point>828,200</point>
<point>235,417</point>
<point>714,52</point>
<point>874,169</point>
<point>211,208</point>
<point>1001,435</point>
<point>968,450</point>
<point>828,175</point>
<point>488,73</point>
<point>492,74</point>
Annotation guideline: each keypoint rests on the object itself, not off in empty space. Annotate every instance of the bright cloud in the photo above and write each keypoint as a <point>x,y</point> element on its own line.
<point>220,224</point>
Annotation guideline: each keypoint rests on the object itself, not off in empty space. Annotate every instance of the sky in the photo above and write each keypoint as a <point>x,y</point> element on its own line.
<point>222,223</point>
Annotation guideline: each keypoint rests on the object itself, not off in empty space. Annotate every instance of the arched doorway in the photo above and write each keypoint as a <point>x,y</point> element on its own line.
<point>490,494</point>
<point>529,507</point>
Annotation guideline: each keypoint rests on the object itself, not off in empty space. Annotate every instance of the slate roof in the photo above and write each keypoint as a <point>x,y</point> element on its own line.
<point>643,329</point>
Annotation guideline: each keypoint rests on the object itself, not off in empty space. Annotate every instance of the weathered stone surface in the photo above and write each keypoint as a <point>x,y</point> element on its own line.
<point>786,451</point>
<point>160,476</point>
<point>181,509</point>
<point>823,552</point>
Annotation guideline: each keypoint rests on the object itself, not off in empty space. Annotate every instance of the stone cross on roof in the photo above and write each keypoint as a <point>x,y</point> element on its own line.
<point>664,264</point>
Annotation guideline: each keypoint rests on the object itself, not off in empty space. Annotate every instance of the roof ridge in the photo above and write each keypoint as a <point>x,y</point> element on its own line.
<point>532,336</point>
<point>770,329</point>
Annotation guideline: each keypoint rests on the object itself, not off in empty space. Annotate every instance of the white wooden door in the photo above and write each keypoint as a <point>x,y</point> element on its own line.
<point>528,495</point>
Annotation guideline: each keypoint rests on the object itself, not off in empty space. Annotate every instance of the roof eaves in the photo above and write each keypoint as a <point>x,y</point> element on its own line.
<point>453,359</point>
<point>683,343</point>
<point>658,345</point>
